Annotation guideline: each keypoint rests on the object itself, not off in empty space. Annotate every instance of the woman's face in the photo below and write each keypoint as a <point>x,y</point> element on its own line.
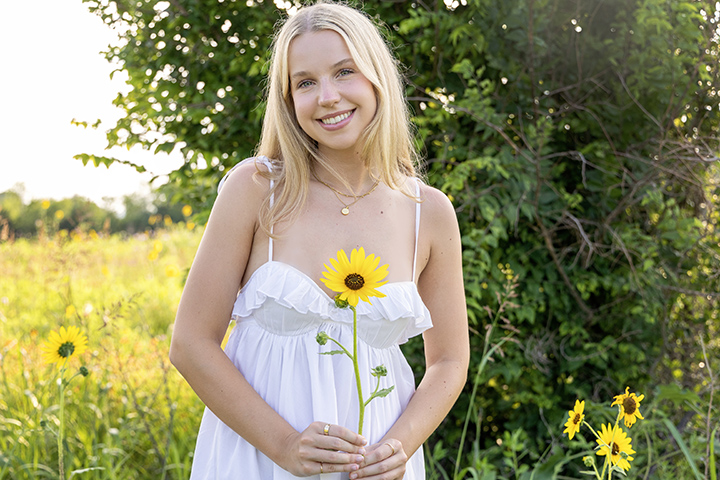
<point>334,102</point>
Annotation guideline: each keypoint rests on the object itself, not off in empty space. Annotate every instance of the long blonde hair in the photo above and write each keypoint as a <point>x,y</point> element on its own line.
<point>388,149</point>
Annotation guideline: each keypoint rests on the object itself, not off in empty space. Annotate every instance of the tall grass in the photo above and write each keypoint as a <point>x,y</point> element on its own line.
<point>133,416</point>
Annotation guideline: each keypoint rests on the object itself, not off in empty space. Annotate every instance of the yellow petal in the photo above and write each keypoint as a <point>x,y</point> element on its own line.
<point>343,259</point>
<point>336,265</point>
<point>352,297</point>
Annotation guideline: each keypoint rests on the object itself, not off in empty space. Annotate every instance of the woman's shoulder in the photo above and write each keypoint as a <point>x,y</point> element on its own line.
<point>248,171</point>
<point>247,180</point>
<point>438,211</point>
<point>241,193</point>
<point>434,201</point>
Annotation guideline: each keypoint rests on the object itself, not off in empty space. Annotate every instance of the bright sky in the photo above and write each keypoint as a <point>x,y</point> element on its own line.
<point>52,72</point>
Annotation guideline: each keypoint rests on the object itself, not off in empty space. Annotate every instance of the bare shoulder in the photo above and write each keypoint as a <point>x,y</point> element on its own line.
<point>240,196</point>
<point>437,209</point>
<point>245,179</point>
<point>439,237</point>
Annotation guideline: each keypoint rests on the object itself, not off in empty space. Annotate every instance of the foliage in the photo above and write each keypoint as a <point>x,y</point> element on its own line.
<point>121,420</point>
<point>578,141</point>
<point>592,179</point>
<point>44,217</point>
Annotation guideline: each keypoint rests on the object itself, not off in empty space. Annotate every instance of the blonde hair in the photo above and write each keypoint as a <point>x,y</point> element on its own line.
<point>388,150</point>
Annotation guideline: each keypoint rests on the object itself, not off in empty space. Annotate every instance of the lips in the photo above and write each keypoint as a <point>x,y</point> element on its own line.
<point>333,120</point>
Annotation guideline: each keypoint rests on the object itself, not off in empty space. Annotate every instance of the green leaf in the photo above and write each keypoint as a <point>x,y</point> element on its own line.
<point>384,392</point>
<point>677,395</point>
<point>380,393</point>
<point>681,443</point>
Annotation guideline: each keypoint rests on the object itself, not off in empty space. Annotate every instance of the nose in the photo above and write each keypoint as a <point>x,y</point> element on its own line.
<point>329,94</point>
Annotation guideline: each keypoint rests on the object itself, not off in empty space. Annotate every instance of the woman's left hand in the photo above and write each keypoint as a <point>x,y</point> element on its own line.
<point>383,461</point>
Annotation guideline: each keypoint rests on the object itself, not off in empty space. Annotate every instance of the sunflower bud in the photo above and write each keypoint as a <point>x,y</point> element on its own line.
<point>84,371</point>
<point>340,303</point>
<point>379,371</point>
<point>322,338</point>
<point>588,461</point>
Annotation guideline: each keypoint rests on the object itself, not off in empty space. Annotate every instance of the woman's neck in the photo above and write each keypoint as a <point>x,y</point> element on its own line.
<point>351,169</point>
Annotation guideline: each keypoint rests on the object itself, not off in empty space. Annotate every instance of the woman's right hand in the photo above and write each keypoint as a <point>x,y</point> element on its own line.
<point>323,448</point>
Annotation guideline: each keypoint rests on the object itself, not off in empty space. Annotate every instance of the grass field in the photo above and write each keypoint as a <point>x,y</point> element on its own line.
<point>133,416</point>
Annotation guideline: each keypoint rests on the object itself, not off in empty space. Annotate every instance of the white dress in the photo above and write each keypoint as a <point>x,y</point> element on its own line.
<point>279,312</point>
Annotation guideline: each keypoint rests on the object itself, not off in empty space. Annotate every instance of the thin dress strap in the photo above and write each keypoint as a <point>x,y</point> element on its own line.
<point>417,226</point>
<point>266,161</point>
<point>270,240</point>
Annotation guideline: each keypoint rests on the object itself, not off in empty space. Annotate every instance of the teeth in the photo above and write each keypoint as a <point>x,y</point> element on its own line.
<point>334,120</point>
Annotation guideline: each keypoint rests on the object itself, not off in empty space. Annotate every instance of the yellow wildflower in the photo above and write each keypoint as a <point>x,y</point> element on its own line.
<point>356,278</point>
<point>630,405</point>
<point>572,426</point>
<point>614,440</point>
<point>64,346</point>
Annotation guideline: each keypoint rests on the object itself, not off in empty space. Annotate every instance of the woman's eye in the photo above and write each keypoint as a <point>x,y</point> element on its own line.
<point>345,71</point>
<point>304,83</point>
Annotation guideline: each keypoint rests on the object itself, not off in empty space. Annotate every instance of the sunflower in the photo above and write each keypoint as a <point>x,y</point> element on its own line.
<point>630,404</point>
<point>63,346</point>
<point>619,443</point>
<point>575,420</point>
<point>356,278</point>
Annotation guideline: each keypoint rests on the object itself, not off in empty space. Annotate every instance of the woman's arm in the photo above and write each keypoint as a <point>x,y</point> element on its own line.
<point>200,325</point>
<point>447,348</point>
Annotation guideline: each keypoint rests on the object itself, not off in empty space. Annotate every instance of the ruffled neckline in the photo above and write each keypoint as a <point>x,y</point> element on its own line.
<point>291,288</point>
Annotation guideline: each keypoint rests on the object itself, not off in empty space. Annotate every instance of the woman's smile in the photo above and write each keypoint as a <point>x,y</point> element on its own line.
<point>335,121</point>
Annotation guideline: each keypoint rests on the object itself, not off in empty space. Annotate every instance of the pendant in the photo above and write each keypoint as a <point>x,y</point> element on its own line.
<point>345,211</point>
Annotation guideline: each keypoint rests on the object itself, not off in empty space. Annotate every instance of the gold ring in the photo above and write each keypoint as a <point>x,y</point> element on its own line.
<point>326,430</point>
<point>321,468</point>
<point>393,448</point>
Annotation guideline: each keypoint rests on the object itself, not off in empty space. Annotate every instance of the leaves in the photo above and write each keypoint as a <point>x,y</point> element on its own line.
<point>332,352</point>
<point>383,392</point>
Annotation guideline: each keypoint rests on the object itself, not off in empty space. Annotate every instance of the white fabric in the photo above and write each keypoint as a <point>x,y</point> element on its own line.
<point>279,312</point>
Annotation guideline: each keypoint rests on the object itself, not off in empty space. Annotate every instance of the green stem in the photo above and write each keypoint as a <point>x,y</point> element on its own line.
<point>341,346</point>
<point>61,431</point>
<point>605,464</point>
<point>361,402</point>
<point>372,395</point>
<point>592,430</point>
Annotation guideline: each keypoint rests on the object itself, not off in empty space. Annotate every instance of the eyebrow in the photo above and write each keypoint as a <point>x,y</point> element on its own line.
<point>342,62</point>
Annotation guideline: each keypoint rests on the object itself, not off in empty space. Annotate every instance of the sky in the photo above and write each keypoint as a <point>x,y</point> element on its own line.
<point>51,72</point>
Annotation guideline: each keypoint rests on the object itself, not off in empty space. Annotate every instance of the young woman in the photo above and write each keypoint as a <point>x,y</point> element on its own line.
<point>335,170</point>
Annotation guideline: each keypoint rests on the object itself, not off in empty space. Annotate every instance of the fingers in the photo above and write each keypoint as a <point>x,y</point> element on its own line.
<point>339,438</point>
<point>323,448</point>
<point>384,461</point>
<point>329,448</point>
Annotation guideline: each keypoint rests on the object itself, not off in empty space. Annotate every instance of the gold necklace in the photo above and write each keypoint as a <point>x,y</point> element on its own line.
<point>346,206</point>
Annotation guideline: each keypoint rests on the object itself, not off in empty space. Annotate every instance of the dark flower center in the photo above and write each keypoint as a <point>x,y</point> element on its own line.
<point>66,349</point>
<point>615,448</point>
<point>576,420</point>
<point>354,281</point>
<point>629,405</point>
